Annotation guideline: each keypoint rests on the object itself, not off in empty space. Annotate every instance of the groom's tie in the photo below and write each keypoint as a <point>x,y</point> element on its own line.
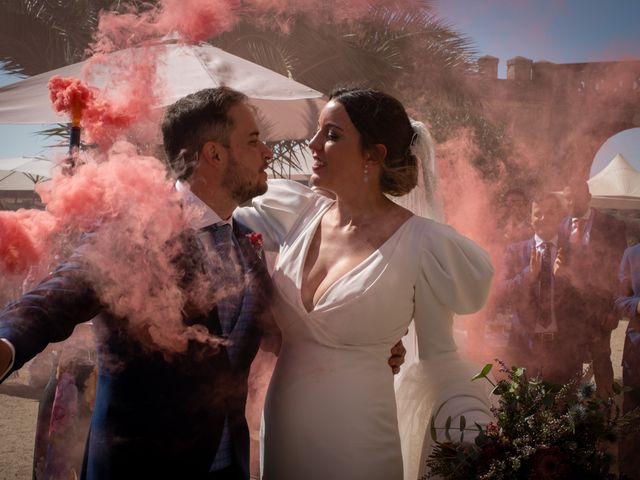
<point>229,279</point>
<point>229,283</point>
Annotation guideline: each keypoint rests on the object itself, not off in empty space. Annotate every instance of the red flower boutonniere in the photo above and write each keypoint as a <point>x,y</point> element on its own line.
<point>256,242</point>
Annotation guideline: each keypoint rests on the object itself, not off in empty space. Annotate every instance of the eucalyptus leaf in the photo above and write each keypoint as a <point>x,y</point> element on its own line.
<point>483,373</point>
<point>447,428</point>
<point>432,429</point>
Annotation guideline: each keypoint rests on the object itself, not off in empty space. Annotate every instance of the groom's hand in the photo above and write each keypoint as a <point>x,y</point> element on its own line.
<point>397,357</point>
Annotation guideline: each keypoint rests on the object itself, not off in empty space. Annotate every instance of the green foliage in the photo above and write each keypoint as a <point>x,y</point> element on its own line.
<point>411,53</point>
<point>40,35</point>
<point>541,430</point>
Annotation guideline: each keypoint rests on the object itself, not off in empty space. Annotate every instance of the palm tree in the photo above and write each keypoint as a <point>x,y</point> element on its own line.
<point>408,52</point>
<point>39,35</point>
<point>386,49</point>
<point>411,53</point>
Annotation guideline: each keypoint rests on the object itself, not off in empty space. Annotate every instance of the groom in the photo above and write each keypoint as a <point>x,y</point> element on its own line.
<point>155,418</point>
<point>182,417</point>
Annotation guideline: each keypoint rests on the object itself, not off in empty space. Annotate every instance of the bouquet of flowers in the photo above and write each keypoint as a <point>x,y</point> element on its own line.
<point>541,431</point>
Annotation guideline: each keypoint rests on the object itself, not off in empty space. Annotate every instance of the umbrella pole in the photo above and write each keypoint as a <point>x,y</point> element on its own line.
<point>74,140</point>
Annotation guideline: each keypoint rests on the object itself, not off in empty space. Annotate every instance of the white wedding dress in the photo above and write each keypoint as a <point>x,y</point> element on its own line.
<point>330,411</point>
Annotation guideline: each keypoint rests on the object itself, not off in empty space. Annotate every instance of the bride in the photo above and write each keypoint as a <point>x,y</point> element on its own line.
<point>351,274</point>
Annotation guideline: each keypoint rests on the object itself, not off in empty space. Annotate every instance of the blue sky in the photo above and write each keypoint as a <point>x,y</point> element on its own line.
<point>17,140</point>
<point>562,31</point>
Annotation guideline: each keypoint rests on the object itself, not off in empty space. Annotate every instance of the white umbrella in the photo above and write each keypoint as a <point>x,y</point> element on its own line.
<point>38,166</point>
<point>288,109</point>
<point>14,181</point>
<point>22,173</point>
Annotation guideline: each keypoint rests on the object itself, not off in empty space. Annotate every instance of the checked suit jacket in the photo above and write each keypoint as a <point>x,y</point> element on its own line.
<point>153,417</point>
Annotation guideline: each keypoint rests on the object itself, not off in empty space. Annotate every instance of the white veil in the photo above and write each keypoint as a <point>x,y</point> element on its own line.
<point>423,386</point>
<point>423,201</point>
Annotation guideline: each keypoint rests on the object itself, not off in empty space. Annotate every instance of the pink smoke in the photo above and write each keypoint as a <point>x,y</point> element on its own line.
<point>103,120</point>
<point>128,44</point>
<point>133,212</point>
<point>23,239</point>
<point>197,20</point>
<point>193,20</point>
<point>466,196</point>
<point>70,95</point>
<point>327,12</point>
<point>136,220</point>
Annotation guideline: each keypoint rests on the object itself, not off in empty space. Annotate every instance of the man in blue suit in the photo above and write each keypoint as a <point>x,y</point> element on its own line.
<point>543,337</point>
<point>184,417</point>
<point>628,305</point>
<point>597,242</point>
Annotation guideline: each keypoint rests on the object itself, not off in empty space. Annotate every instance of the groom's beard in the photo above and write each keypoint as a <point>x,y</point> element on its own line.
<point>243,183</point>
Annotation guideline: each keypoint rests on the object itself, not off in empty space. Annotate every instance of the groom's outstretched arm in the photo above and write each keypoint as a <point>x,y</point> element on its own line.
<point>46,314</point>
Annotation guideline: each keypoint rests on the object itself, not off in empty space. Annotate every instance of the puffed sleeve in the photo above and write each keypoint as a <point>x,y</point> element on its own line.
<point>455,269</point>
<point>454,277</point>
<point>276,212</point>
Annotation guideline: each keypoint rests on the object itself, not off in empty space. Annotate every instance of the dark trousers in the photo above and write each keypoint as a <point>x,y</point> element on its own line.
<point>550,356</point>
<point>599,347</point>
<point>234,472</point>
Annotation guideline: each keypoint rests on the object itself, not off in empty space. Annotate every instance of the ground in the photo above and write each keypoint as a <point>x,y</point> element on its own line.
<point>18,418</point>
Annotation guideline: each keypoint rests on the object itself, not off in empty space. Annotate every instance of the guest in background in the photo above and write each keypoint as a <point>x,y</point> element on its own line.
<point>513,212</point>
<point>628,305</point>
<point>543,336</point>
<point>597,242</point>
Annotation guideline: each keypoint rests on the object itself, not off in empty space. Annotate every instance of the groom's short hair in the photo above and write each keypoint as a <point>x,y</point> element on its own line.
<point>192,121</point>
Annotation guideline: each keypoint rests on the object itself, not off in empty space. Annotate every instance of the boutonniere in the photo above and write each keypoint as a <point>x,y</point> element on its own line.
<point>256,242</point>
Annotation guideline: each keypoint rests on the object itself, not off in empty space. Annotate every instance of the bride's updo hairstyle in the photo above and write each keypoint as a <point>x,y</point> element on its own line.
<point>381,119</point>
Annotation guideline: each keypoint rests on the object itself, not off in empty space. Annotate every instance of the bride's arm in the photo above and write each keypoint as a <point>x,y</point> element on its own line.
<point>276,212</point>
<point>456,277</point>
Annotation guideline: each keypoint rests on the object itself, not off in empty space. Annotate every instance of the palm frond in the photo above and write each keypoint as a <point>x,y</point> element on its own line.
<point>288,158</point>
<point>269,48</point>
<point>40,35</point>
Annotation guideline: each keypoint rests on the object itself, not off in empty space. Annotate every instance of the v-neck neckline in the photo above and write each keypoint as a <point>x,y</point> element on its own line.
<point>356,268</point>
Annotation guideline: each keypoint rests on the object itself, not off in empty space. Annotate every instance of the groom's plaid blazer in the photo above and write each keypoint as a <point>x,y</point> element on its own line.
<point>155,415</point>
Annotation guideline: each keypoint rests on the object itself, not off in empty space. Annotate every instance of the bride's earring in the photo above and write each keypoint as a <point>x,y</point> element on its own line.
<point>366,172</point>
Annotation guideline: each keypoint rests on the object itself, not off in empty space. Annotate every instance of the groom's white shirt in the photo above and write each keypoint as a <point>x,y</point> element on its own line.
<point>206,215</point>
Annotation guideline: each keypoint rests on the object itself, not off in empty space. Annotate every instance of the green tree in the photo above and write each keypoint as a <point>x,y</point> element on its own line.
<point>409,52</point>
